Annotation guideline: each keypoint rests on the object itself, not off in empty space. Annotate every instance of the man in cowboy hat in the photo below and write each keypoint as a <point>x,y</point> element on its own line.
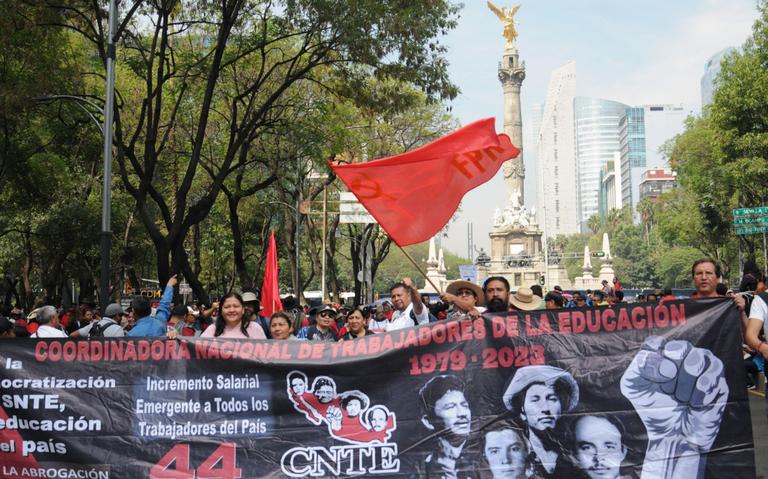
<point>538,396</point>
<point>525,300</point>
<point>472,299</point>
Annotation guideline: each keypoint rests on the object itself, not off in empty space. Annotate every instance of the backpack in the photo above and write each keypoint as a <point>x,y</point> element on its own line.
<point>98,329</point>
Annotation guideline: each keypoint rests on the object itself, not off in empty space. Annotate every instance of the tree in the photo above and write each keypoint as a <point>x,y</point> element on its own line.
<point>184,105</point>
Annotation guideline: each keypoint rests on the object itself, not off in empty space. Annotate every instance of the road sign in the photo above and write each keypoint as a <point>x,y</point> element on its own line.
<point>351,211</point>
<point>756,211</point>
<point>750,220</point>
<point>468,272</point>
<point>750,230</point>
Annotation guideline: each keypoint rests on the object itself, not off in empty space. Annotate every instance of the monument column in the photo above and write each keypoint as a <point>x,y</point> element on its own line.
<point>511,75</point>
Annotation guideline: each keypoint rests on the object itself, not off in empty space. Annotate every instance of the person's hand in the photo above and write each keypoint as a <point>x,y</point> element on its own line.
<point>740,302</point>
<point>171,333</point>
<point>473,313</point>
<point>679,392</point>
<point>448,297</point>
<point>173,281</point>
<point>408,283</point>
<point>333,415</point>
<point>215,305</point>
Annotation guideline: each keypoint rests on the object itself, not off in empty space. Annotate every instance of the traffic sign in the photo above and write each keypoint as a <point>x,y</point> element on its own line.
<point>754,220</point>
<point>750,230</point>
<point>756,211</point>
<point>597,254</point>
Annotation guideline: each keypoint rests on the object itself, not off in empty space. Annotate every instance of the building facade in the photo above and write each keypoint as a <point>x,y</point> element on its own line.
<point>708,79</point>
<point>556,159</point>
<point>643,131</point>
<point>656,181</point>
<point>597,139</point>
<point>610,186</point>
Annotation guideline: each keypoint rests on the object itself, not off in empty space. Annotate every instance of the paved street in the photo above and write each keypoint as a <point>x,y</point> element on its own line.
<point>760,433</point>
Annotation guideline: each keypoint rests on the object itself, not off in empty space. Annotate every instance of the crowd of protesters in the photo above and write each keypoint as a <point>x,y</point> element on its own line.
<point>240,316</point>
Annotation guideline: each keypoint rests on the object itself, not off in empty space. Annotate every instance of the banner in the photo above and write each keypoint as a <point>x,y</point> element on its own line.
<point>646,390</point>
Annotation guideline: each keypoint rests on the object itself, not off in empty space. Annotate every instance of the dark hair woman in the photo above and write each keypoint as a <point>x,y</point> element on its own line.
<point>232,321</point>
<point>357,325</point>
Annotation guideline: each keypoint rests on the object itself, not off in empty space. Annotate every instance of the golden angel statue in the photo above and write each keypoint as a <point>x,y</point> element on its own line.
<point>506,15</point>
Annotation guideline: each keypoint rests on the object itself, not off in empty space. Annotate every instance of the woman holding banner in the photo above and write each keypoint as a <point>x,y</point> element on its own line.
<point>232,322</point>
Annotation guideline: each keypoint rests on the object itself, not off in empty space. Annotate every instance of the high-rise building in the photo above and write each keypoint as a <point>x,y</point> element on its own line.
<point>643,131</point>
<point>556,160</point>
<point>708,79</point>
<point>610,186</point>
<point>531,128</point>
<point>597,139</point>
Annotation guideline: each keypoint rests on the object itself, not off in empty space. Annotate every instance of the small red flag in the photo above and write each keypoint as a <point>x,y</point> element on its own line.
<point>413,195</point>
<point>270,291</point>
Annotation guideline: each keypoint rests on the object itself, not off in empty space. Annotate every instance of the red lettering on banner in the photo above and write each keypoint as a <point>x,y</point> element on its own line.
<point>579,322</point>
<point>609,320</point>
<point>479,328</point>
<point>593,321</point>
<point>438,333</point>
<point>623,320</point>
<point>317,350</point>
<point>677,313</point>
<point>564,322</point>
<point>305,350</point>
<point>424,336</point>
<point>453,331</point>
<point>662,316</point>
<point>638,320</point>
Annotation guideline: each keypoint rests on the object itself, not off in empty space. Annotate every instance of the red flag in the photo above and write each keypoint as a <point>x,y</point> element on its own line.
<point>270,291</point>
<point>413,195</point>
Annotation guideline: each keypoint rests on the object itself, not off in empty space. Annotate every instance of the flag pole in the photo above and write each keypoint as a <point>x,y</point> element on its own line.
<point>413,262</point>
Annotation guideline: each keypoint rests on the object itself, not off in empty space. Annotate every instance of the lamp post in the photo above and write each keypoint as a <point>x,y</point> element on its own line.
<point>106,193</point>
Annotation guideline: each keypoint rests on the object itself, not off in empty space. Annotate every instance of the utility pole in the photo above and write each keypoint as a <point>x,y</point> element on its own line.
<point>106,193</point>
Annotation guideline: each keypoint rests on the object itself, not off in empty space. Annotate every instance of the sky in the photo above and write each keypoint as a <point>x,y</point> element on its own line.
<point>632,52</point>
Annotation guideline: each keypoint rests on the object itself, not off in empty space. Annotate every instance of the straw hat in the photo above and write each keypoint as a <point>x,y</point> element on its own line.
<point>547,375</point>
<point>525,300</point>
<point>455,286</point>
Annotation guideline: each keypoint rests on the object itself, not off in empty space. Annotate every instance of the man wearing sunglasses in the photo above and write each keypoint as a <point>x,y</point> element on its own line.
<point>321,330</point>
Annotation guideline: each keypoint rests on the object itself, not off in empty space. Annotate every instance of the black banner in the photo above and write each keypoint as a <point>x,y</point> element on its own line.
<point>646,390</point>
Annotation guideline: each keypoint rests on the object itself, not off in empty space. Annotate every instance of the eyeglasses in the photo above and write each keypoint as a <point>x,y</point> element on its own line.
<point>465,292</point>
<point>327,313</point>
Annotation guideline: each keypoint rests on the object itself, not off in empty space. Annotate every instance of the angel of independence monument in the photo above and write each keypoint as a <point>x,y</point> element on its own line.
<point>516,239</point>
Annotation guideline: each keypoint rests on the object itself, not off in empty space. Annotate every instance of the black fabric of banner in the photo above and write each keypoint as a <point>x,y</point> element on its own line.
<point>646,389</point>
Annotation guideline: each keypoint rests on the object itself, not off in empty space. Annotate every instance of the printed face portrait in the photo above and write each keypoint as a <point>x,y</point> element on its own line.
<point>378,419</point>
<point>354,406</point>
<point>598,448</point>
<point>325,393</point>
<point>541,407</point>
<point>452,413</point>
<point>298,385</point>
<point>506,451</point>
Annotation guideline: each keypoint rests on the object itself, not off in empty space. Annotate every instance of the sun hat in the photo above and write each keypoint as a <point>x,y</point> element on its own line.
<point>525,300</point>
<point>455,286</point>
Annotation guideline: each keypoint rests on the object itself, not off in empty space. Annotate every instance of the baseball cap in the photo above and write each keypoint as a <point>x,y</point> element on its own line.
<point>249,297</point>
<point>112,310</point>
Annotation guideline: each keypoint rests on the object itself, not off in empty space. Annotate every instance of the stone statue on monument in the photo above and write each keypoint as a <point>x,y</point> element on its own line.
<point>507,16</point>
<point>498,219</point>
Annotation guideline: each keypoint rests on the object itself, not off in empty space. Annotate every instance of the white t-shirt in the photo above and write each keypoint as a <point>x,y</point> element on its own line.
<point>46,331</point>
<point>402,319</point>
<point>759,311</point>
